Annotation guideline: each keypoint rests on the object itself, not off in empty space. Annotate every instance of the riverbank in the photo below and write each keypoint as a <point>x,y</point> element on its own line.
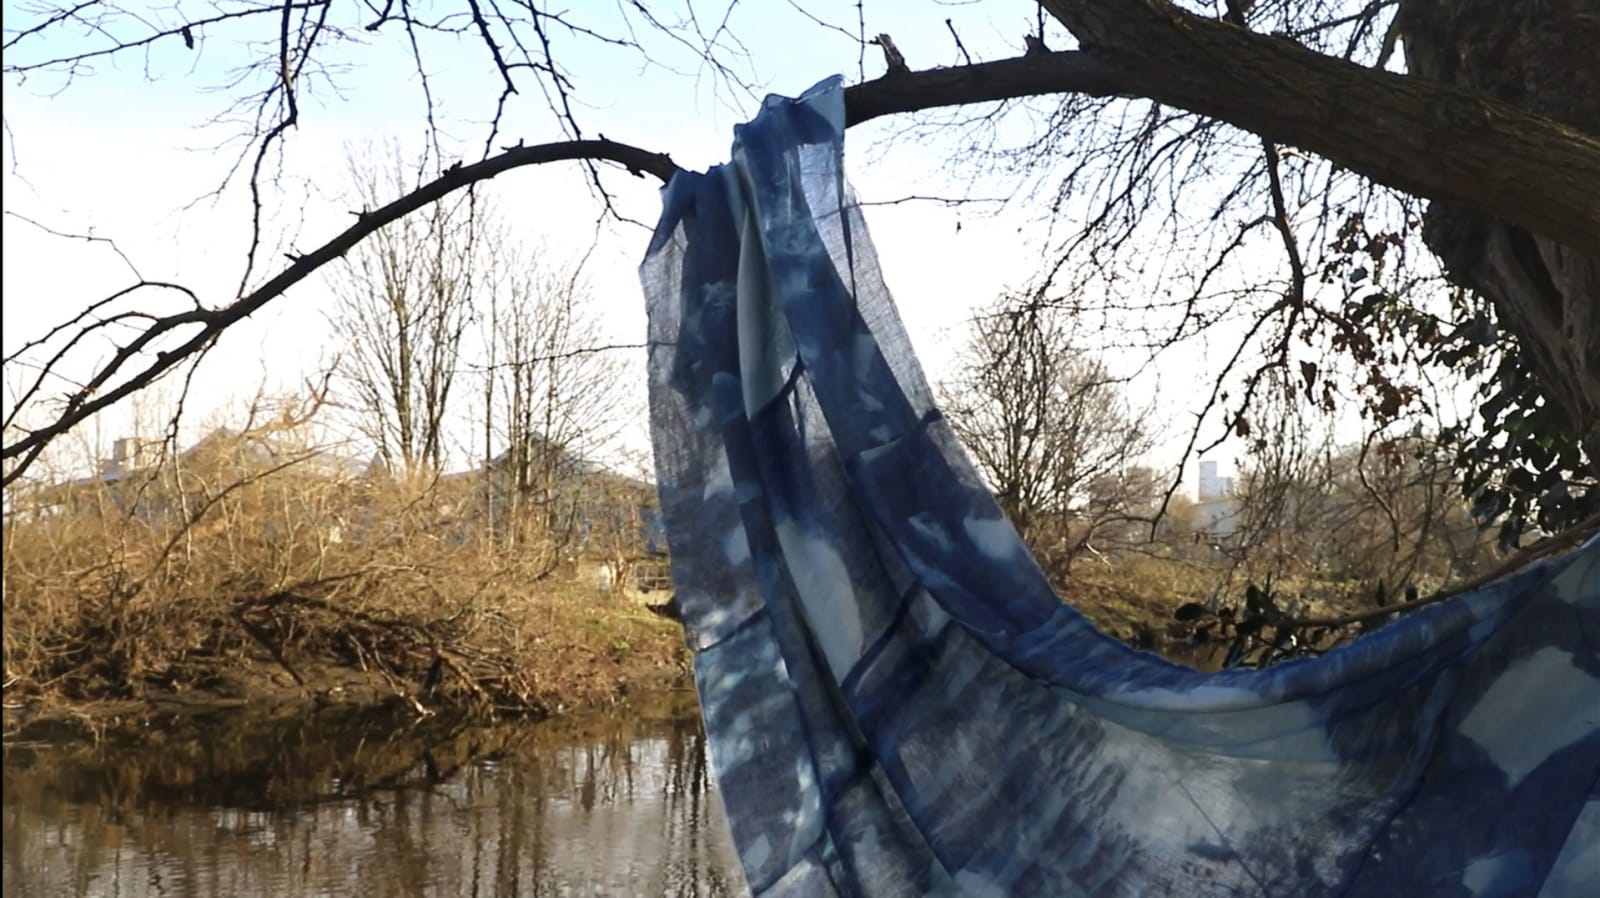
<point>257,570</point>
<point>556,649</point>
<point>425,627</point>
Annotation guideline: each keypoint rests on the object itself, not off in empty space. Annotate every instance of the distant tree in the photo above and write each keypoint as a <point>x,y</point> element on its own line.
<point>1385,509</point>
<point>1120,506</point>
<point>1178,528</point>
<point>1047,425</point>
<point>622,509</point>
<point>554,397</point>
<point>405,299</point>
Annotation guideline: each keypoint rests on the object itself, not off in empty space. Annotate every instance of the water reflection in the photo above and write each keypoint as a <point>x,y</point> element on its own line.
<point>346,805</point>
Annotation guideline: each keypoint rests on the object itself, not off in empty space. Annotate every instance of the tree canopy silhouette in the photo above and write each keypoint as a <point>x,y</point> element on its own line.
<point>1424,172</point>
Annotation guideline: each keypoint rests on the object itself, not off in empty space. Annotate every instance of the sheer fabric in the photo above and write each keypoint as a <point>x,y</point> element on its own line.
<point>898,704</point>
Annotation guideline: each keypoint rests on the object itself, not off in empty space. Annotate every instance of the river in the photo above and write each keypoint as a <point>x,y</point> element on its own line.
<point>333,803</point>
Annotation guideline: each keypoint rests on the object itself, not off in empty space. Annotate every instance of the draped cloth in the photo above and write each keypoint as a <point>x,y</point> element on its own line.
<point>898,704</point>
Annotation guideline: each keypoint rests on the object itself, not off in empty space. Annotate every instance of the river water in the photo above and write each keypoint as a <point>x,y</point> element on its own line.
<point>348,804</point>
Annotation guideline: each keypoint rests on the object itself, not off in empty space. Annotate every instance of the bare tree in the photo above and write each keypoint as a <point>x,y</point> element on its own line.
<point>1048,426</point>
<point>622,515</point>
<point>1385,510</point>
<point>554,399</point>
<point>405,299</point>
<point>1122,504</point>
<point>1408,520</point>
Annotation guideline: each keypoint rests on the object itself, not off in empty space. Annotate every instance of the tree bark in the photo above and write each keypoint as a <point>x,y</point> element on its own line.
<point>1545,57</point>
<point>1423,138</point>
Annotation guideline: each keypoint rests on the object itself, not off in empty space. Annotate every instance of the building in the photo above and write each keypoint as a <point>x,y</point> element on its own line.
<point>141,480</point>
<point>1216,513</point>
<point>1211,485</point>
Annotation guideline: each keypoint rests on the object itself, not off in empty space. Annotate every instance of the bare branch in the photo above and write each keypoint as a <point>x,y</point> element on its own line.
<point>74,60</point>
<point>87,238</point>
<point>213,322</point>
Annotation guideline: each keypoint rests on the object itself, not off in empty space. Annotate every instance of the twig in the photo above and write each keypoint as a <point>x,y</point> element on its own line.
<point>555,357</point>
<point>256,633</point>
<point>959,46</point>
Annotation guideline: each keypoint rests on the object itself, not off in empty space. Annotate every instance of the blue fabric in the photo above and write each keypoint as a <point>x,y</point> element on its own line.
<point>897,702</point>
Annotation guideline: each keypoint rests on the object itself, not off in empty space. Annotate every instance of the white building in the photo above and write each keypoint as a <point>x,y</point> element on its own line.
<point>1216,513</point>
<point>1211,485</point>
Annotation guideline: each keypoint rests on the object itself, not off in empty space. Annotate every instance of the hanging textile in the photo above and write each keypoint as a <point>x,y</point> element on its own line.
<point>898,704</point>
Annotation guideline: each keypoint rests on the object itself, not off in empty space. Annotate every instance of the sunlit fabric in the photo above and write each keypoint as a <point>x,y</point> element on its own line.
<point>897,702</point>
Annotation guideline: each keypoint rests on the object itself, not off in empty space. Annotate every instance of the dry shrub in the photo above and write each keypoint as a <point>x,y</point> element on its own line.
<point>254,555</point>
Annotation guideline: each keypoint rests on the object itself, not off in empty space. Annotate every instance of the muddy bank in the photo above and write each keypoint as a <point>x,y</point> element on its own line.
<point>568,653</point>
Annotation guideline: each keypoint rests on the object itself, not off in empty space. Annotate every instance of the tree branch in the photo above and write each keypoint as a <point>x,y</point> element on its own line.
<point>213,322</point>
<point>1431,140</point>
<point>1418,136</point>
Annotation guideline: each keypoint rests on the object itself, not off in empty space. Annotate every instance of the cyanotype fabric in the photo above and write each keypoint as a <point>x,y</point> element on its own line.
<point>899,705</point>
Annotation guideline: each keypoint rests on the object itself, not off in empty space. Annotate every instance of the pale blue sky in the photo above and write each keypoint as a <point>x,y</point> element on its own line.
<point>122,156</point>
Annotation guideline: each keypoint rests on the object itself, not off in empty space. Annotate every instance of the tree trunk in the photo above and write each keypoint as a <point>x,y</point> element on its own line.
<point>1545,57</point>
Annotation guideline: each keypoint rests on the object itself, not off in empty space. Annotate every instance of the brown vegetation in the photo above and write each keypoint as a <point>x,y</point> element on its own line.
<point>256,566</point>
<point>1313,531</point>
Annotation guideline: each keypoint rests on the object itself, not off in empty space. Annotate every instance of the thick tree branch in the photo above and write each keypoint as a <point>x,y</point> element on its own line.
<point>1006,79</point>
<point>1423,138</point>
